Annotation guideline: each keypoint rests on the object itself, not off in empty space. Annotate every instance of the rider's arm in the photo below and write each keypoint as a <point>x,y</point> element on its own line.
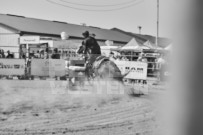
<point>84,44</point>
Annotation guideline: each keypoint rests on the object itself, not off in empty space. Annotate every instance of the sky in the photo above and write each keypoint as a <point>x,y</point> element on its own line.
<point>143,13</point>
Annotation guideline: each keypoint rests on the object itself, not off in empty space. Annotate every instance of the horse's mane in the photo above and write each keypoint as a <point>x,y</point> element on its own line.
<point>81,49</point>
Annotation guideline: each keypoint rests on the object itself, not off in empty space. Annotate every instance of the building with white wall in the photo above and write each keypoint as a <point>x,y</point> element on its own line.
<point>13,27</point>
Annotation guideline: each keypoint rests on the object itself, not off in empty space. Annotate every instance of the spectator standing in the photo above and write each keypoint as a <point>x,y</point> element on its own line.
<point>37,55</point>
<point>23,56</point>
<point>63,54</point>
<point>46,54</point>
<point>9,55</point>
<point>144,59</point>
<point>2,53</point>
<point>32,54</point>
<point>55,55</point>
<point>140,57</point>
<point>13,54</point>
<point>161,64</point>
<point>43,54</point>
<point>124,58</point>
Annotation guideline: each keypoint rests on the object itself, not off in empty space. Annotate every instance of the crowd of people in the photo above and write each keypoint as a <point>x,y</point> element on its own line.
<point>50,54</point>
<point>6,55</point>
<point>123,57</point>
<point>156,64</point>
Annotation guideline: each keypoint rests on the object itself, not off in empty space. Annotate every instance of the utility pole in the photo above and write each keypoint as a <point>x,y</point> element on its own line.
<point>157,34</point>
<point>139,27</point>
<point>83,24</point>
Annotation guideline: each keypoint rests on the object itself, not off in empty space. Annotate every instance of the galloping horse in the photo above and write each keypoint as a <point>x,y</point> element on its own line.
<point>102,68</point>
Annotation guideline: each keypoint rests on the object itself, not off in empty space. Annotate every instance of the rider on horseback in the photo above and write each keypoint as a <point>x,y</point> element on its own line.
<point>96,64</point>
<point>91,50</point>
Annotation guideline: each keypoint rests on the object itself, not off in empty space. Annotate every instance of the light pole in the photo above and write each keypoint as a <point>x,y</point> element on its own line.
<point>139,27</point>
<point>157,34</point>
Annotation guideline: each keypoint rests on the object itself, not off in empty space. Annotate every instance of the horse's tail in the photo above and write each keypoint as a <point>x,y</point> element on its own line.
<point>104,65</point>
<point>121,76</point>
<point>125,74</point>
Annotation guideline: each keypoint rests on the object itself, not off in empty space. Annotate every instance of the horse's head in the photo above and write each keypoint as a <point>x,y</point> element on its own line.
<point>81,49</point>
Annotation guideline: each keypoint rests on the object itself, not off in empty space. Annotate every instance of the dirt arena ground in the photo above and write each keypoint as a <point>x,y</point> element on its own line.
<point>31,108</point>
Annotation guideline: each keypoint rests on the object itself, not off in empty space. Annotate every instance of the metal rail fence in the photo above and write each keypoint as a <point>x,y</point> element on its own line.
<point>153,68</point>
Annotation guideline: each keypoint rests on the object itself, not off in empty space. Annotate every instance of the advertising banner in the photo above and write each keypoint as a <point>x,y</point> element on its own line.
<point>29,40</point>
<point>138,70</point>
<point>48,67</point>
<point>12,66</point>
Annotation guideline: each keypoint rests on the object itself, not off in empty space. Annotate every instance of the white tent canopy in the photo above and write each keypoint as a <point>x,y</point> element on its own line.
<point>134,45</point>
<point>168,48</point>
<point>149,44</point>
<point>152,45</point>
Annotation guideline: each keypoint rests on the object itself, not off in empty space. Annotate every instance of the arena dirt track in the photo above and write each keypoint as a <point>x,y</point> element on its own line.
<point>115,115</point>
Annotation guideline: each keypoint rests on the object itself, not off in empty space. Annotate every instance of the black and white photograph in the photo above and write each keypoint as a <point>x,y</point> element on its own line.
<point>98,67</point>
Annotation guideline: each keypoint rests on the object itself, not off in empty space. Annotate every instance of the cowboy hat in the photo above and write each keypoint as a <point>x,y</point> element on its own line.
<point>86,33</point>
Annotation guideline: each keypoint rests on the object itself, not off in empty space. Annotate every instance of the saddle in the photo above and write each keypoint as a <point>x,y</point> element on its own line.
<point>92,67</point>
<point>98,61</point>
